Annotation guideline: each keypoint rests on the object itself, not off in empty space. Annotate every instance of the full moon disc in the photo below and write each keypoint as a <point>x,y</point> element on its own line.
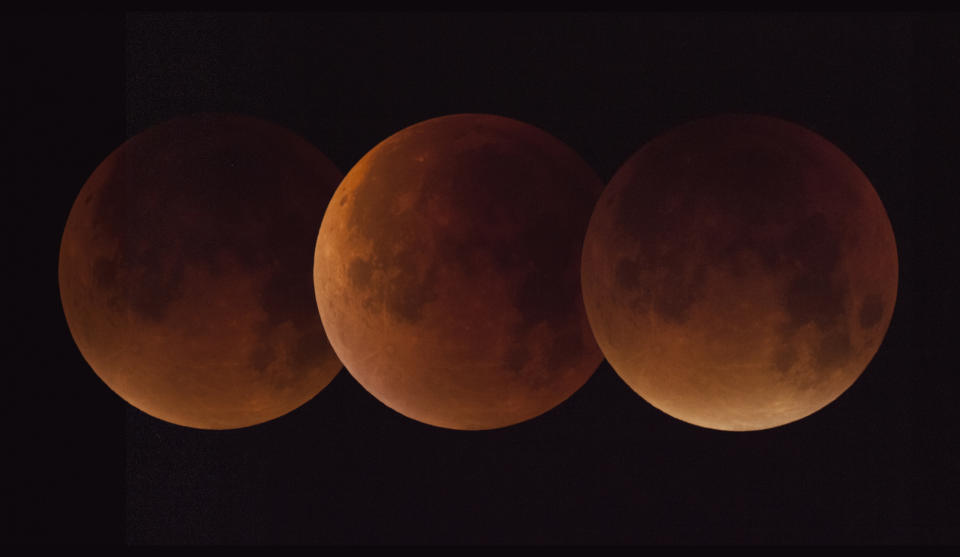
<point>447,271</point>
<point>739,272</point>
<point>185,271</point>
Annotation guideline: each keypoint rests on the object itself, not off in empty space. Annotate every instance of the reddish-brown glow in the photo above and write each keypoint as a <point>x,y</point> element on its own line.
<point>185,271</point>
<point>447,272</point>
<point>739,272</point>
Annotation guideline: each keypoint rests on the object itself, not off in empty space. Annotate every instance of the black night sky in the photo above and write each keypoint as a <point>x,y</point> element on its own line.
<point>878,466</point>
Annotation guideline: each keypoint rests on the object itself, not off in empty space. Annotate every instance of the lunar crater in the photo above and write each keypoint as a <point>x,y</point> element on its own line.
<point>871,311</point>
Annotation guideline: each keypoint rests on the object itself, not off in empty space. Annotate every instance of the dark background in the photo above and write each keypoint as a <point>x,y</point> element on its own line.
<point>879,465</point>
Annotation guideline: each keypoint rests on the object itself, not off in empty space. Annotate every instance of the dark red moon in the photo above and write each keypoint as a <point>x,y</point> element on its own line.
<point>447,271</point>
<point>185,271</point>
<point>739,272</point>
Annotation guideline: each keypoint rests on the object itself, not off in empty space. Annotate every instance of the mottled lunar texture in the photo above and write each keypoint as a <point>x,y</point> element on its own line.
<point>185,271</point>
<point>447,271</point>
<point>739,272</point>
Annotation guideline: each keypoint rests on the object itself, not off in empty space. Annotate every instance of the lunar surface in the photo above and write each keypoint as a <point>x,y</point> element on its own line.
<point>739,272</point>
<point>447,272</point>
<point>185,271</point>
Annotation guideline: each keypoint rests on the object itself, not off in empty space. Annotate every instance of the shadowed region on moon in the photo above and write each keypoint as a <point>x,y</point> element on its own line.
<point>447,271</point>
<point>185,271</point>
<point>739,272</point>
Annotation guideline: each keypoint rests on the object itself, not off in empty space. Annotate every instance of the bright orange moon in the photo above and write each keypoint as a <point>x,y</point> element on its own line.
<point>739,272</point>
<point>447,271</point>
<point>185,271</point>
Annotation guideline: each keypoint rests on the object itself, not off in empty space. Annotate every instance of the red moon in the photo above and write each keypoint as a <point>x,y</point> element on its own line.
<point>185,271</point>
<point>447,271</point>
<point>739,272</point>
